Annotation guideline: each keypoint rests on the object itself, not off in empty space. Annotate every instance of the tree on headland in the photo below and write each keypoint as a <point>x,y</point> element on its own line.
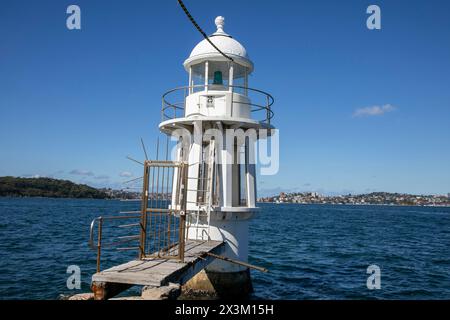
<point>47,187</point>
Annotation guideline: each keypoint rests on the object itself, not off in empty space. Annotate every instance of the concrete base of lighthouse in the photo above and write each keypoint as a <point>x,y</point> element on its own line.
<point>218,285</point>
<point>223,279</point>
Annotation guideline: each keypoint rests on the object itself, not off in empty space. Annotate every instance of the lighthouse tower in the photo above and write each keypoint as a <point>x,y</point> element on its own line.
<point>218,119</point>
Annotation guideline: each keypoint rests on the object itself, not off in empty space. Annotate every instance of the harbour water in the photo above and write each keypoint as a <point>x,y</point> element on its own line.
<point>312,251</point>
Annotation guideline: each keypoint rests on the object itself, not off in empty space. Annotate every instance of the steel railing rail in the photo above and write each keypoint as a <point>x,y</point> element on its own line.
<point>173,107</point>
<point>98,247</point>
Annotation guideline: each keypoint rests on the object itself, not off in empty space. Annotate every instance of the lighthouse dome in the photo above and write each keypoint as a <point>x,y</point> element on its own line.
<point>226,44</point>
<point>229,46</point>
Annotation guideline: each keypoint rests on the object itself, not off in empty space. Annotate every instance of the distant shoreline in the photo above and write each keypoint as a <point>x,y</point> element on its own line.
<point>373,198</point>
<point>358,204</point>
<point>281,203</point>
<point>18,187</point>
<point>55,198</point>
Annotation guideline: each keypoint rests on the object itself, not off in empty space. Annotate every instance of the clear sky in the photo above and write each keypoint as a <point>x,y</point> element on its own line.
<point>358,110</point>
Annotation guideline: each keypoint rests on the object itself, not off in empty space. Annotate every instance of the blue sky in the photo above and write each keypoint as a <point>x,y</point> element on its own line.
<point>73,104</point>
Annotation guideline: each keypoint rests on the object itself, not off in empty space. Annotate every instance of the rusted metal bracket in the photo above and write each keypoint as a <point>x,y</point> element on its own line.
<point>241,263</point>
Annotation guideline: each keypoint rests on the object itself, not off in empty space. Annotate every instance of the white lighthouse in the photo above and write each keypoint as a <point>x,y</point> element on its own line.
<point>220,118</point>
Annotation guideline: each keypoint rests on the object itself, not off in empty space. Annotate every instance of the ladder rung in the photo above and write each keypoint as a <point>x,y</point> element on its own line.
<point>129,225</point>
<point>199,178</point>
<point>128,248</point>
<point>129,237</point>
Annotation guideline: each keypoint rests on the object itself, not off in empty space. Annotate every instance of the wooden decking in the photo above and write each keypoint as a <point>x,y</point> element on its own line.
<point>158,272</point>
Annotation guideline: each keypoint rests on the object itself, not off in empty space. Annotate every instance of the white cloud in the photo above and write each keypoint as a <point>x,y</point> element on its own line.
<point>102,177</point>
<point>79,172</point>
<point>125,174</point>
<point>373,111</point>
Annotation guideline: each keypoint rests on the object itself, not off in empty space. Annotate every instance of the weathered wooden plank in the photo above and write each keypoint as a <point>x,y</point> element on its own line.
<point>160,271</point>
<point>146,267</point>
<point>126,279</point>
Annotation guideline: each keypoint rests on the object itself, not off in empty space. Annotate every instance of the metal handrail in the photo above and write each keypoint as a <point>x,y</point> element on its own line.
<point>91,232</point>
<point>166,105</point>
<point>99,244</point>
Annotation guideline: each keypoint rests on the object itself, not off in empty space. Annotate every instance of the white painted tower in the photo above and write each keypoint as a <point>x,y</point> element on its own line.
<point>221,187</point>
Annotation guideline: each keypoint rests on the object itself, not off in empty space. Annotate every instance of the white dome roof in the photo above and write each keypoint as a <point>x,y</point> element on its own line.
<point>231,47</point>
<point>225,43</point>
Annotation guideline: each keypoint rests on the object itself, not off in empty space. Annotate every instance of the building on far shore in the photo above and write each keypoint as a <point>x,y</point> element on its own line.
<point>380,198</point>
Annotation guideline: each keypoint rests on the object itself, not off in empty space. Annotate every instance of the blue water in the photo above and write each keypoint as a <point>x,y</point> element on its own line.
<point>312,251</point>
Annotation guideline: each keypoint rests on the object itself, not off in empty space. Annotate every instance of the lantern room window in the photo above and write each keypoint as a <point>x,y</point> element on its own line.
<point>218,75</point>
<point>240,79</point>
<point>197,77</point>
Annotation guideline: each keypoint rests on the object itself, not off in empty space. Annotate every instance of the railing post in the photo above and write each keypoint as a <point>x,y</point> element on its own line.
<point>230,78</point>
<point>206,76</point>
<point>190,79</point>
<point>144,205</point>
<point>184,101</point>
<point>99,242</point>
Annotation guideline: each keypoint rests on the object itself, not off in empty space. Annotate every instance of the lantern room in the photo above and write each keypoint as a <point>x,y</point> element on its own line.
<point>217,86</point>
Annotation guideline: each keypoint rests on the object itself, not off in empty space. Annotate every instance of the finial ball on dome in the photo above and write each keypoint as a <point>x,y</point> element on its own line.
<point>220,22</point>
